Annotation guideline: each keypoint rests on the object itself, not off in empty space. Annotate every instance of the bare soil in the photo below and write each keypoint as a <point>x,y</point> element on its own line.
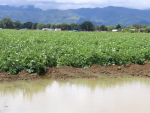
<point>94,72</point>
<point>5,77</point>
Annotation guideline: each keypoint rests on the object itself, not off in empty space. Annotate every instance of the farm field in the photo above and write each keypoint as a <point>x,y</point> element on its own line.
<point>34,51</point>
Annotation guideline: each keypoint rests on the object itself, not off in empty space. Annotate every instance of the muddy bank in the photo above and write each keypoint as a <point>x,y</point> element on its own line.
<point>94,72</point>
<point>5,77</point>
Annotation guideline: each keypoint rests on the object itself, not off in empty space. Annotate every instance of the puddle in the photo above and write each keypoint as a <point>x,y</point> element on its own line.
<point>122,95</point>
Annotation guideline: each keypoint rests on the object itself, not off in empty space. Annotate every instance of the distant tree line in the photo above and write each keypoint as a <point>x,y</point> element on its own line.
<point>134,28</point>
<point>7,23</point>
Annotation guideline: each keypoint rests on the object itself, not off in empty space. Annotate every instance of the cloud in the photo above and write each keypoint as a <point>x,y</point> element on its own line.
<point>75,4</point>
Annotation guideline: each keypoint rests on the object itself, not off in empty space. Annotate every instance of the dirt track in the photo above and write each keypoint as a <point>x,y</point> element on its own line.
<point>94,72</point>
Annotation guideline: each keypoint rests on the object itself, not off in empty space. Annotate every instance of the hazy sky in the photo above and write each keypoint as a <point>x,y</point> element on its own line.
<point>74,4</point>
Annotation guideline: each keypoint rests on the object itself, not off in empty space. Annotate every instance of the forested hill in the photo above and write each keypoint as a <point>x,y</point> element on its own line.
<point>107,16</point>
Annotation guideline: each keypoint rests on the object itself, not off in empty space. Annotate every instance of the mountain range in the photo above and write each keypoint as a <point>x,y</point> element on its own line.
<point>98,16</point>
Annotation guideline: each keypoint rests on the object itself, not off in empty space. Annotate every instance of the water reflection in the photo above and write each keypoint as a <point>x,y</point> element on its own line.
<point>106,95</point>
<point>30,88</point>
<point>110,82</point>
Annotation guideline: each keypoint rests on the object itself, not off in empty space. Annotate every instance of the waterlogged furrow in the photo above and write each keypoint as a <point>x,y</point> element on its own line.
<point>33,51</point>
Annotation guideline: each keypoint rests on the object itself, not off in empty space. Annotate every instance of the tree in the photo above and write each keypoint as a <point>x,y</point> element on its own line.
<point>103,28</point>
<point>53,26</point>
<point>118,26</point>
<point>48,25</point>
<point>96,27</point>
<point>120,29</point>
<point>147,29</point>
<point>137,26</point>
<point>7,23</point>
<point>41,25</point>
<point>64,26</point>
<point>69,27</point>
<point>22,25</point>
<point>144,26</point>
<point>142,30</point>
<point>74,26</point>
<point>129,27</point>
<point>111,27</point>
<point>17,24</point>
<point>1,24</point>
<point>34,25</point>
<point>87,26</point>
<point>28,25</point>
<point>58,25</point>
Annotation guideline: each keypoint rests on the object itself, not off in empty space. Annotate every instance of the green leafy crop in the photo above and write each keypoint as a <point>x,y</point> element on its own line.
<point>33,51</point>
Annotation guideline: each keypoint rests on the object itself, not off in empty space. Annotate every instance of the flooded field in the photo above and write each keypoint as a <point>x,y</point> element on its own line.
<point>121,95</point>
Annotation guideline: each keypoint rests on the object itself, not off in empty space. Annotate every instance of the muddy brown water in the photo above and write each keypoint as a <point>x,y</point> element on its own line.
<point>106,95</point>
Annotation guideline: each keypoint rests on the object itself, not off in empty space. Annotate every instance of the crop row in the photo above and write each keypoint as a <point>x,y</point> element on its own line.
<point>33,51</point>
